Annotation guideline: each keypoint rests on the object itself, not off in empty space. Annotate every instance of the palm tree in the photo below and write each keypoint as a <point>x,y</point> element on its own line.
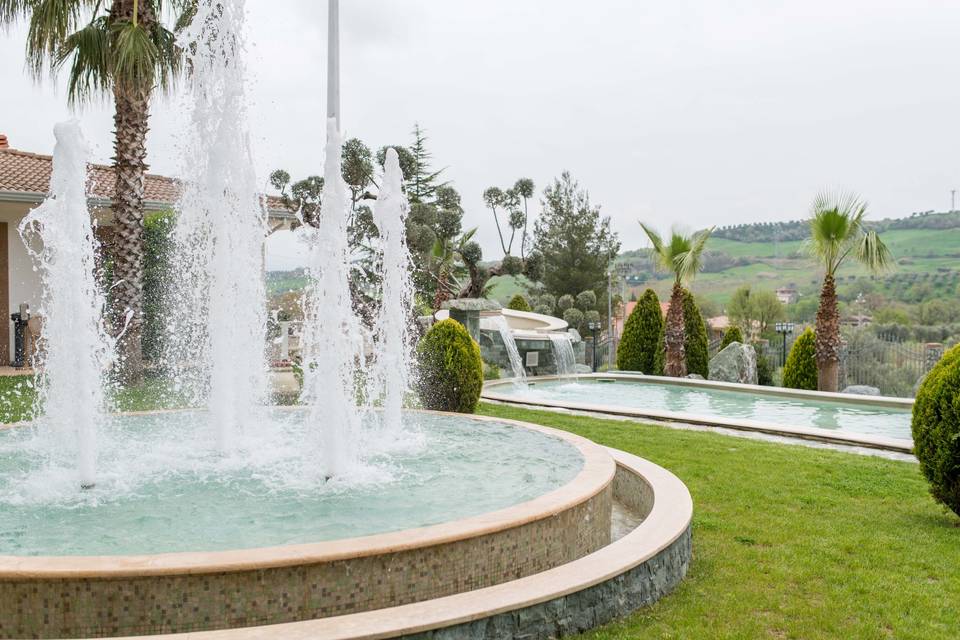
<point>682,256</point>
<point>119,48</point>
<point>837,232</point>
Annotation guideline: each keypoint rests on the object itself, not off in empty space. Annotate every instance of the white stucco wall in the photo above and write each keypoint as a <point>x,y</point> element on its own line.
<point>24,281</point>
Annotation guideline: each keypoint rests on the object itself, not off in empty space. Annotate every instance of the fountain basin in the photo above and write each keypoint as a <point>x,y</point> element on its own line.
<point>114,595</point>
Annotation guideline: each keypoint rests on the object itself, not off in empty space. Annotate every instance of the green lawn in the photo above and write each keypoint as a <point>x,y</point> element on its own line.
<point>790,541</point>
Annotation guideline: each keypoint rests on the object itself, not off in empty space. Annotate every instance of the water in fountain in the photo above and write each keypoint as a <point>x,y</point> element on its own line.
<point>216,312</point>
<point>499,324</point>
<point>392,366</point>
<point>77,348</point>
<point>563,354</point>
<point>332,342</point>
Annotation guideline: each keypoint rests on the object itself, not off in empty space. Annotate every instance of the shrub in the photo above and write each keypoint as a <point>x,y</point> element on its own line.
<point>548,301</point>
<point>574,318</point>
<point>519,303</point>
<point>696,344</point>
<point>490,371</point>
<point>731,335</point>
<point>936,429</point>
<point>543,310</point>
<point>800,372</point>
<point>637,350</point>
<point>764,368</point>
<point>586,300</point>
<point>565,302</point>
<point>450,369</point>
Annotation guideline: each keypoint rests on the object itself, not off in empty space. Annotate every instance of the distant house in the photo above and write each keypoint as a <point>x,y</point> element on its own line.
<point>24,183</point>
<point>857,321</point>
<point>788,295</point>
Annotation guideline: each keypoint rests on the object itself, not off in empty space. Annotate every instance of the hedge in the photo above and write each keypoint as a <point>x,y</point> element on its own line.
<point>449,368</point>
<point>936,429</point>
<point>638,346</point>
<point>800,372</point>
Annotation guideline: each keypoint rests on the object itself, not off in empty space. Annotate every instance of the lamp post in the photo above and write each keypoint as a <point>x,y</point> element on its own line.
<point>610,337</point>
<point>594,327</point>
<point>784,329</point>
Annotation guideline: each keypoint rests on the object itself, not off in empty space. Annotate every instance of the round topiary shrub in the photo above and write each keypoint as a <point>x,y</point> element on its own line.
<point>936,429</point>
<point>696,344</point>
<point>731,335</point>
<point>519,303</point>
<point>574,318</point>
<point>637,350</point>
<point>800,372</point>
<point>450,369</point>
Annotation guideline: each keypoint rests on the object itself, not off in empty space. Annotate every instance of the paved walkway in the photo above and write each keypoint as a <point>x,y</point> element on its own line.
<point>11,371</point>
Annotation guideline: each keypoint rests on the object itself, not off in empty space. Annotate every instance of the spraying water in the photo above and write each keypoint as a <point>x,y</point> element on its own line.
<point>563,353</point>
<point>59,236</point>
<point>499,324</point>
<point>332,343</point>
<point>392,366</point>
<point>217,316</point>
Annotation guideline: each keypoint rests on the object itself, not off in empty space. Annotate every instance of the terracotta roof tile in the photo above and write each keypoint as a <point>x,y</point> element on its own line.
<point>30,173</point>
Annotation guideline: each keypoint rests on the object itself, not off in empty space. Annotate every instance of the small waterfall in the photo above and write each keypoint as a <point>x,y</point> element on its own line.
<point>332,340</point>
<point>392,366</point>
<point>499,324</point>
<point>563,353</point>
<point>216,312</point>
<point>59,236</point>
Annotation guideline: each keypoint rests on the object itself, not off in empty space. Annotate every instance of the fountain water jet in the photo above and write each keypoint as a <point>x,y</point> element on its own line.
<point>499,324</point>
<point>332,340</point>
<point>216,320</point>
<point>563,353</point>
<point>392,367</point>
<point>59,236</point>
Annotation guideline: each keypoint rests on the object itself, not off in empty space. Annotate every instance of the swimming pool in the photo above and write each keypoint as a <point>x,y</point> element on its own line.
<point>704,402</point>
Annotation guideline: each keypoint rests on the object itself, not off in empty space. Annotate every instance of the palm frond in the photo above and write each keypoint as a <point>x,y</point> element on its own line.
<point>135,56</point>
<point>51,22</point>
<point>661,259</point>
<point>872,252</point>
<point>89,49</point>
<point>169,63</point>
<point>836,227</point>
<point>13,10</point>
<point>689,263</point>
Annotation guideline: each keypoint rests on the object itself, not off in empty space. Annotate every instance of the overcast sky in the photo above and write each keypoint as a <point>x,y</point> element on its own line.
<point>689,112</point>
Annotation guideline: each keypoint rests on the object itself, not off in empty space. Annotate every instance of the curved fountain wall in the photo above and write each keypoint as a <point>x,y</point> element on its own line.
<point>172,593</point>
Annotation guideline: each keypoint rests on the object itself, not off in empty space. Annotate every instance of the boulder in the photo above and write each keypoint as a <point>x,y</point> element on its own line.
<point>862,390</point>
<point>736,363</point>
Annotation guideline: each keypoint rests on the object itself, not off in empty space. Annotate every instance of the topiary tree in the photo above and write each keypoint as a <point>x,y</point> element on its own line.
<point>696,344</point>
<point>731,335</point>
<point>638,346</point>
<point>519,303</point>
<point>936,429</point>
<point>800,372</point>
<point>586,300</point>
<point>565,302</point>
<point>574,318</point>
<point>450,369</point>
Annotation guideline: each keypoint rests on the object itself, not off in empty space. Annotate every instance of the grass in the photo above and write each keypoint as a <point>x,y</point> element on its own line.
<point>791,542</point>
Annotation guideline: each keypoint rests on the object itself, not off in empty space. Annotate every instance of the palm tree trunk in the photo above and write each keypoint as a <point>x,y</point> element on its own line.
<point>828,337</point>
<point>130,120</point>
<point>674,338</point>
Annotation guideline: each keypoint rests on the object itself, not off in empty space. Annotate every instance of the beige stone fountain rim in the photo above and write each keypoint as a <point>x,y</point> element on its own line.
<point>597,473</point>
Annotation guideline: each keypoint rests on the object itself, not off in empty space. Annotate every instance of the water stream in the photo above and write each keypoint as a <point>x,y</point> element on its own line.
<point>563,353</point>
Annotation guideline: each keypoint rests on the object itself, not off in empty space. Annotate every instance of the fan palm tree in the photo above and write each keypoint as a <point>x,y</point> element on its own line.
<point>837,232</point>
<point>682,256</point>
<point>119,48</point>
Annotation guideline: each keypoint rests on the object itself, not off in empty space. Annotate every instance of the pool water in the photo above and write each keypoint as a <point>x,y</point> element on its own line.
<point>769,409</point>
<point>163,489</point>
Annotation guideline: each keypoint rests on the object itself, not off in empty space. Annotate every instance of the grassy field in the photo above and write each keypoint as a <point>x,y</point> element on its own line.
<point>791,542</point>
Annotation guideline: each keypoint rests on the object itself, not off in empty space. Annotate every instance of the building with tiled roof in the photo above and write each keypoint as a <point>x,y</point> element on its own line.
<point>25,182</point>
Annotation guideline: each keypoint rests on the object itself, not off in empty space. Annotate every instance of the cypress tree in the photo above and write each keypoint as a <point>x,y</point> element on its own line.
<point>696,344</point>
<point>638,347</point>
<point>732,334</point>
<point>800,372</point>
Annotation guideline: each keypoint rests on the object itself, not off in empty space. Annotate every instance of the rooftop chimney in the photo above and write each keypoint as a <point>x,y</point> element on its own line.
<point>3,142</point>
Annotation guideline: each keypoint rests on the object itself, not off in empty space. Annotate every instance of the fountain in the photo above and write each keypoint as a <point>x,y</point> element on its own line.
<point>566,360</point>
<point>59,236</point>
<point>235,514</point>
<point>499,324</point>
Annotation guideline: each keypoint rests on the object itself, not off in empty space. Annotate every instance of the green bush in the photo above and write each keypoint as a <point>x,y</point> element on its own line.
<point>519,303</point>
<point>800,372</point>
<point>586,300</point>
<point>157,253</point>
<point>490,371</point>
<point>638,346</point>
<point>696,344</point>
<point>764,368</point>
<point>731,335</point>
<point>936,429</point>
<point>450,369</point>
<point>574,318</point>
<point>565,302</point>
